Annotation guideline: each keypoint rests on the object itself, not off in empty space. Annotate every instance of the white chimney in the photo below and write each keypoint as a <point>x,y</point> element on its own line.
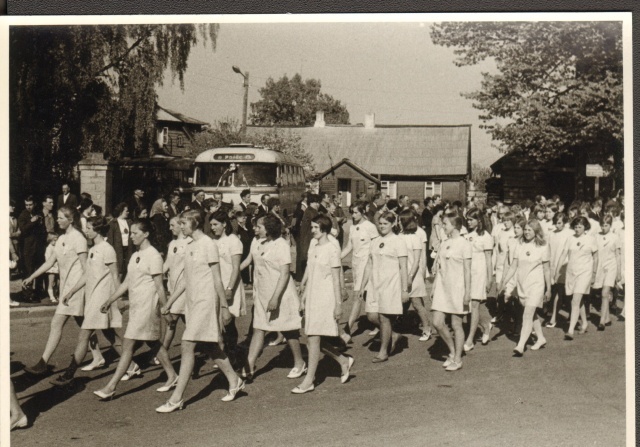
<point>370,121</point>
<point>319,119</point>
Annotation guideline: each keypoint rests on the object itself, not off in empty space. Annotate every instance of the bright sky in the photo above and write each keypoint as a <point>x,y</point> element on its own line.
<point>390,69</point>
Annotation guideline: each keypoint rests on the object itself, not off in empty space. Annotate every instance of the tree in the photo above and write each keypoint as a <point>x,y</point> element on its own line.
<point>75,89</point>
<point>558,89</point>
<point>479,175</point>
<point>288,142</point>
<point>294,102</point>
<point>220,134</point>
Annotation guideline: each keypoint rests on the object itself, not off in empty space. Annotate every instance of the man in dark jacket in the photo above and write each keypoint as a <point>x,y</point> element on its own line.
<point>67,198</point>
<point>34,240</point>
<point>263,209</point>
<point>304,239</point>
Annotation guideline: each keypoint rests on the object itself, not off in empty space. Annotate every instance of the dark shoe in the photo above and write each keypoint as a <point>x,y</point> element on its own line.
<point>601,327</point>
<point>66,377</point>
<point>517,352</point>
<point>39,369</point>
<point>568,337</point>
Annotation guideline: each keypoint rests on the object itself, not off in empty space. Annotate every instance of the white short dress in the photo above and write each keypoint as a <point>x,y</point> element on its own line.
<point>386,295</point>
<point>510,289</point>
<point>144,312</point>
<point>229,246</point>
<point>320,299</point>
<point>449,287</point>
<point>580,264</point>
<point>202,304</point>
<point>413,242</point>
<point>607,270</point>
<point>99,287</point>
<point>68,248</point>
<point>268,257</point>
<point>479,244</point>
<point>557,241</point>
<point>176,279</point>
<point>530,272</point>
<point>361,236</point>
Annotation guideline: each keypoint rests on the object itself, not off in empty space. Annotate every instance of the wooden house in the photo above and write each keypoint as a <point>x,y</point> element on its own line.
<point>416,160</point>
<point>349,179</point>
<point>175,132</point>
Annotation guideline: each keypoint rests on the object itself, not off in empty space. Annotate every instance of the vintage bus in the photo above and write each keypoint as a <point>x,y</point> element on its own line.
<point>230,170</point>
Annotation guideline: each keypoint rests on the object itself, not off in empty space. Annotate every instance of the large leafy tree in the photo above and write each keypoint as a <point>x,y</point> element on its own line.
<point>558,86</point>
<point>75,89</point>
<point>295,102</point>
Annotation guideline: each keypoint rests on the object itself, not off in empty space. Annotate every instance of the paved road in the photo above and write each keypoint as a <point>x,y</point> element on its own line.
<point>571,393</point>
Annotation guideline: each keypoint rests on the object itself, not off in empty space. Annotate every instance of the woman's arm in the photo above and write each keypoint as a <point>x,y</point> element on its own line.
<point>234,279</point>
<point>509,274</point>
<point>77,286</point>
<point>561,261</point>
<point>414,267</point>
<point>365,278</point>
<point>117,294</point>
<point>173,297</point>
<point>595,266</point>
<point>217,284</point>
<point>347,249</point>
<point>487,258</point>
<point>404,279</point>
<point>547,281</point>
<point>335,276</point>
<point>619,265</point>
<point>43,268</point>
<point>467,281</point>
<point>283,280</point>
<point>247,261</point>
<point>303,282</point>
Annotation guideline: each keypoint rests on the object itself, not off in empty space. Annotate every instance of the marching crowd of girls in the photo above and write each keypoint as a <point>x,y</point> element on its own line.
<point>537,255</point>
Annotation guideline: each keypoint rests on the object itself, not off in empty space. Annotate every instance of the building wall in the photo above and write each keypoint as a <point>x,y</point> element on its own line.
<point>176,132</point>
<point>415,190</point>
<point>359,183</point>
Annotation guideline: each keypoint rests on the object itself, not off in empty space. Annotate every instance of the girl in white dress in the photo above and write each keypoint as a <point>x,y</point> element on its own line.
<point>206,310</point>
<point>387,271</point>
<point>501,240</point>
<point>582,253</point>
<point>361,235</point>
<point>452,289</point>
<point>71,255</point>
<point>174,268</point>
<point>416,266</point>
<point>146,296</point>
<point>99,282</point>
<point>322,302</point>
<point>481,276</point>
<point>533,278</point>
<point>607,268</point>
<point>276,306</point>
<point>230,249</point>
<point>557,241</point>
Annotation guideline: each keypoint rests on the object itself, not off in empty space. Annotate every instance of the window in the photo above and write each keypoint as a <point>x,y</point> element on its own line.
<point>180,141</point>
<point>432,188</point>
<point>390,189</point>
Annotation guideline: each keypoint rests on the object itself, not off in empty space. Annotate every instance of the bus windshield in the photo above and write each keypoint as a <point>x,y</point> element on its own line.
<point>236,174</point>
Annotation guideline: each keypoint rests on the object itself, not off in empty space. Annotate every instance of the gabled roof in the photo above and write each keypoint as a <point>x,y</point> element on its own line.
<point>390,150</point>
<point>163,114</point>
<point>346,161</point>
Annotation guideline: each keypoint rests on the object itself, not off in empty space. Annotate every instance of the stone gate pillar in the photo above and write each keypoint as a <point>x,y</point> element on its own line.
<point>96,177</point>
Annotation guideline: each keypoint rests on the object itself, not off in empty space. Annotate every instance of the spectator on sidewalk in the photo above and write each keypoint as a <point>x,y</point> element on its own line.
<point>33,243</point>
<point>67,198</point>
<point>304,240</point>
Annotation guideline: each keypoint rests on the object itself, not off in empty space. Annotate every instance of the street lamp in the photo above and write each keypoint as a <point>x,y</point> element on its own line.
<point>245,84</point>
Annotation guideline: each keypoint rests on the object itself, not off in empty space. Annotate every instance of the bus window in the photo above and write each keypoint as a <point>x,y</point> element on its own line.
<point>236,174</point>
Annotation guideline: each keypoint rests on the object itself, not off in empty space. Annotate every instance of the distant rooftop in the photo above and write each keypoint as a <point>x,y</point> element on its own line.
<point>163,114</point>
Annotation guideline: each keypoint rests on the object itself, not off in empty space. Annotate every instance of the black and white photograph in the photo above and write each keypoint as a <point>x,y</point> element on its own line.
<point>318,230</point>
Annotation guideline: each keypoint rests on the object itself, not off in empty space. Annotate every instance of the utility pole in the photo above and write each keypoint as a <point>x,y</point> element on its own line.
<point>245,84</point>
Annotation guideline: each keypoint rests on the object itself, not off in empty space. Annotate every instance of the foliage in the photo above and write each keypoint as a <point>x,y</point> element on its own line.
<point>221,134</point>
<point>75,89</point>
<point>479,174</point>
<point>286,141</point>
<point>558,88</point>
<point>295,102</point>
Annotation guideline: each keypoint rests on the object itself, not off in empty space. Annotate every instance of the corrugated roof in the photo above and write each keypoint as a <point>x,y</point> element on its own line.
<point>164,114</point>
<point>390,150</point>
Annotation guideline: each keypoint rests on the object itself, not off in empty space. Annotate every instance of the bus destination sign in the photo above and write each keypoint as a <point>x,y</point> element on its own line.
<point>234,157</point>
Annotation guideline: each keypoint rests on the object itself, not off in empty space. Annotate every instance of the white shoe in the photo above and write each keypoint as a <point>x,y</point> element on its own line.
<point>296,373</point>
<point>53,300</point>
<point>169,407</point>
<point>136,371</point>
<point>467,348</point>
<point>94,365</point>
<point>425,336</point>
<point>374,332</point>
<point>447,362</point>
<point>13,303</point>
<point>165,388</point>
<point>454,366</point>
<point>231,394</point>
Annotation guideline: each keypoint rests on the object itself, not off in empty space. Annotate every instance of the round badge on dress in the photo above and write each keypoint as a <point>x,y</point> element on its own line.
<point>91,255</point>
<point>448,247</point>
<point>578,244</point>
<point>381,244</point>
<point>175,249</point>
<point>528,254</point>
<point>470,239</point>
<point>126,231</point>
<point>137,259</point>
<point>357,228</point>
<point>63,244</point>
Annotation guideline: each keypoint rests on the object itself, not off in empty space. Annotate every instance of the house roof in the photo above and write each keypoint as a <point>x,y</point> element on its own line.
<point>346,161</point>
<point>163,114</point>
<point>390,150</point>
